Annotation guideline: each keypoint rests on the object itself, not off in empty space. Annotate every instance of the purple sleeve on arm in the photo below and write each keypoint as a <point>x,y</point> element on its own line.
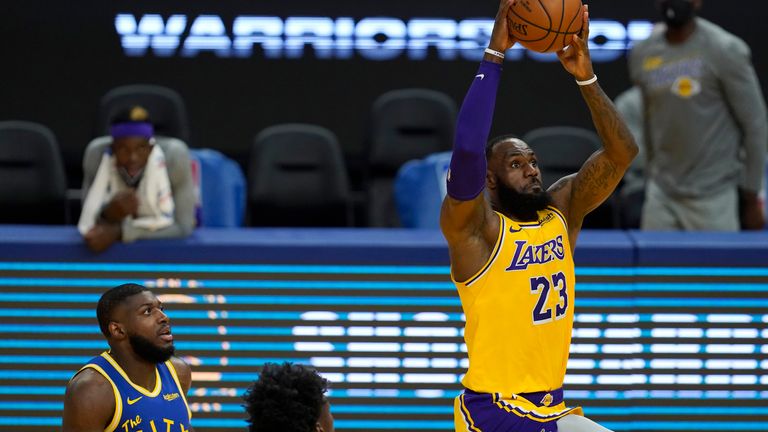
<point>466,177</point>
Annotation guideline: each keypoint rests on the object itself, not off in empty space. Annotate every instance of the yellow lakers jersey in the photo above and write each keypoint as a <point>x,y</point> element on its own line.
<point>519,309</point>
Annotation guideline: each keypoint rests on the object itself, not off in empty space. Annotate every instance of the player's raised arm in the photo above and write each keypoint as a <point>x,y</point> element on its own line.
<point>466,218</point>
<point>578,194</point>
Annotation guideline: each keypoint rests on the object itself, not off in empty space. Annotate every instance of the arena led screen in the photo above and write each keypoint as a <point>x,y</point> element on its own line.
<point>244,66</point>
<point>343,38</point>
<point>654,348</point>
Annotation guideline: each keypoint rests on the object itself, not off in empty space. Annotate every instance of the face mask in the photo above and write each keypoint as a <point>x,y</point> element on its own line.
<point>676,13</point>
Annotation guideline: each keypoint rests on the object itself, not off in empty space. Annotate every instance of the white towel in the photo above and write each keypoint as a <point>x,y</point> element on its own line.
<point>156,204</point>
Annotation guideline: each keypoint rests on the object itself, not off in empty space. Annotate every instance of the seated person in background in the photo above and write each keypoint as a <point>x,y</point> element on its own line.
<point>288,398</point>
<point>140,190</point>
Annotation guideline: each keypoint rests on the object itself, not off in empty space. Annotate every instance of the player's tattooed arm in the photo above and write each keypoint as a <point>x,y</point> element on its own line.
<point>600,174</point>
<point>578,194</point>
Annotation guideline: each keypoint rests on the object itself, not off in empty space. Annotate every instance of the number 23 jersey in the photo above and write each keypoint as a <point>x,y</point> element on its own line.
<point>519,309</point>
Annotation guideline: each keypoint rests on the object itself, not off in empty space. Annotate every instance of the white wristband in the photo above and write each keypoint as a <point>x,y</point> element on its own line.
<point>494,53</point>
<point>587,82</point>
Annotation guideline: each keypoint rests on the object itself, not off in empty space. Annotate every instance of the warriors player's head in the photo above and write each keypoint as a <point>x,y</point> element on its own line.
<point>132,319</point>
<point>288,398</point>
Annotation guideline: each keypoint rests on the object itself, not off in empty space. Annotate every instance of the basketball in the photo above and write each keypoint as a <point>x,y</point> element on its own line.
<point>545,25</point>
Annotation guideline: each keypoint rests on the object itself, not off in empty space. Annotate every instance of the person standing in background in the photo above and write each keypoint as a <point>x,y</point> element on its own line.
<point>705,125</point>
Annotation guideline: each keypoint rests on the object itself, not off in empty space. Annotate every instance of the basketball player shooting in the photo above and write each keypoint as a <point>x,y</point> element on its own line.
<point>511,248</point>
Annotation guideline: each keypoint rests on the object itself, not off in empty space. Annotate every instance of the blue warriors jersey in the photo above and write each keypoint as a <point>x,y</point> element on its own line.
<point>519,309</point>
<point>163,409</point>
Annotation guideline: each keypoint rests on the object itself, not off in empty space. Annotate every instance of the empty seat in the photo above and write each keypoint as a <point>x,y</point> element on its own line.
<point>169,114</point>
<point>297,177</point>
<point>221,189</point>
<point>561,151</point>
<point>419,191</point>
<point>631,201</point>
<point>33,186</point>
<point>406,124</point>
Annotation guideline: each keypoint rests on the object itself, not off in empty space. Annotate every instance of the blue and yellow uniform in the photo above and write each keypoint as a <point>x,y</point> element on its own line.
<point>519,318</point>
<point>138,409</point>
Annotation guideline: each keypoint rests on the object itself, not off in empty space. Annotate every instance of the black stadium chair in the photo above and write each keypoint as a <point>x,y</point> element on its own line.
<point>561,151</point>
<point>166,109</point>
<point>297,177</point>
<point>407,124</point>
<point>33,185</point>
<point>631,207</point>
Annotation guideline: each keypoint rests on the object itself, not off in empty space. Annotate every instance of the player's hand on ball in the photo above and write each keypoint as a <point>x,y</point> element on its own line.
<point>575,57</point>
<point>501,39</point>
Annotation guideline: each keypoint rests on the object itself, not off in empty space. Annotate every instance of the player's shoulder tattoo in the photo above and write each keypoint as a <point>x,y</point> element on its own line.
<point>560,184</point>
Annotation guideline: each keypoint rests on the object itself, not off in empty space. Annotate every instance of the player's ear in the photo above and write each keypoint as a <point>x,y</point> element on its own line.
<point>116,330</point>
<point>490,179</point>
<point>318,428</point>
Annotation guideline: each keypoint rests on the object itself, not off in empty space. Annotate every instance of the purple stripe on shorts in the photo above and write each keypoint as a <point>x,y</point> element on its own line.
<point>489,413</point>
